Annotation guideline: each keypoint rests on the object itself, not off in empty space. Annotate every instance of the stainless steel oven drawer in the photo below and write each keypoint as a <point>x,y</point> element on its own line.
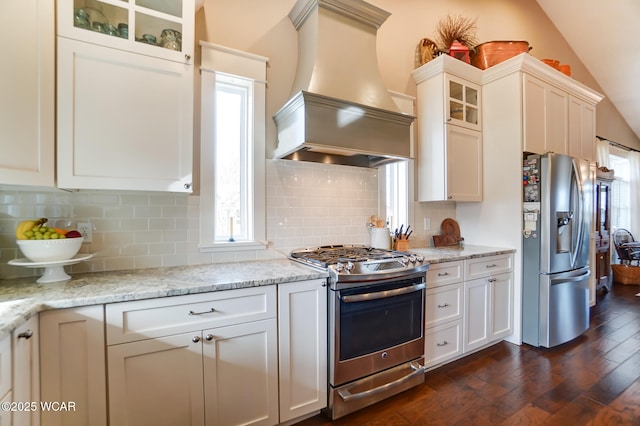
<point>364,392</point>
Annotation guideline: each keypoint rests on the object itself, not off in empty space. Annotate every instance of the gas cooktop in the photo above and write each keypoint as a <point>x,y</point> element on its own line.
<point>351,262</point>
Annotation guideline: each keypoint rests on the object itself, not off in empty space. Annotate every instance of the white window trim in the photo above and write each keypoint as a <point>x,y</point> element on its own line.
<point>220,59</point>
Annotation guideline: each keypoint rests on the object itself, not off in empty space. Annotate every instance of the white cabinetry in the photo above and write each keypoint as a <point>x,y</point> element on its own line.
<point>545,116</point>
<point>443,313</point>
<point>449,130</point>
<point>302,344</point>
<point>194,360</point>
<point>469,305</point>
<point>488,300</point>
<point>26,372</point>
<point>27,115</point>
<point>5,379</point>
<point>125,108</point>
<point>582,129</point>
<point>72,365</point>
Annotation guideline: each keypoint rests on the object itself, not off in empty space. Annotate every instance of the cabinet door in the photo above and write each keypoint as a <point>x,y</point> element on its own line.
<point>72,365</point>
<point>463,103</point>
<point>124,120</point>
<point>157,382</point>
<point>141,18</point>
<point>501,306</point>
<point>545,117</point>
<point>5,366</point>
<point>476,314</point>
<point>582,131</point>
<point>302,344</point>
<point>464,164</point>
<point>27,115</point>
<point>5,415</point>
<point>26,371</point>
<point>241,374</point>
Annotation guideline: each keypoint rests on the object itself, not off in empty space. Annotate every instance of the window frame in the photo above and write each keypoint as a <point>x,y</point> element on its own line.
<point>219,61</point>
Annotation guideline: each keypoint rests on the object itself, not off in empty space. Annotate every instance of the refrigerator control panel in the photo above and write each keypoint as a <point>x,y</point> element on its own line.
<point>531,179</point>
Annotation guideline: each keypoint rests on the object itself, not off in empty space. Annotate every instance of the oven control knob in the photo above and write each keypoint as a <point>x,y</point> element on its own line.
<point>404,261</point>
<point>419,258</point>
<point>339,267</point>
<point>349,266</point>
<point>413,259</point>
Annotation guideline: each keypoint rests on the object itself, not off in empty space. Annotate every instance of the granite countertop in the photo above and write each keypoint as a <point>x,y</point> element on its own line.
<point>22,298</point>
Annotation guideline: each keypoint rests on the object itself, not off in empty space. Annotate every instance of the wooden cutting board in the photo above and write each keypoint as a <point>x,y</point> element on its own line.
<point>450,231</point>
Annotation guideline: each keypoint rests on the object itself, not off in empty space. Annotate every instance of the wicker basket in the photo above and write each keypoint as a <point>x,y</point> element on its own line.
<point>626,274</point>
<point>493,52</point>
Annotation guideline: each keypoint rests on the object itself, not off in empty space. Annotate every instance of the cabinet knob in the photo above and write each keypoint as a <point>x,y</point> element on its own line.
<point>187,57</point>
<point>187,185</point>
<point>195,339</point>
<point>25,335</point>
<point>208,337</point>
<point>449,197</point>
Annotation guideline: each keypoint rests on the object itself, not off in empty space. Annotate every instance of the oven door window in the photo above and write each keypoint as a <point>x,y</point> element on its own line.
<point>373,325</point>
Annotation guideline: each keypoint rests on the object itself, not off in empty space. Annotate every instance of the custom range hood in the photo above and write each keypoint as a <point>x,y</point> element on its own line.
<point>340,111</point>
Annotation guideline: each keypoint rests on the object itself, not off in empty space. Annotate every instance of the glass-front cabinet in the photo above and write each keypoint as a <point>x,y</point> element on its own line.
<point>463,103</point>
<point>160,28</point>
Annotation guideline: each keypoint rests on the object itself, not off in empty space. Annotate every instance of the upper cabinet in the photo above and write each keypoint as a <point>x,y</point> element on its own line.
<point>449,123</point>
<point>125,94</point>
<point>27,104</point>
<point>160,28</point>
<point>558,112</point>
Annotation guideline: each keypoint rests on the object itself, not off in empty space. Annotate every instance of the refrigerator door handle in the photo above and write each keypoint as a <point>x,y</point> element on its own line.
<point>580,277</point>
<point>578,182</point>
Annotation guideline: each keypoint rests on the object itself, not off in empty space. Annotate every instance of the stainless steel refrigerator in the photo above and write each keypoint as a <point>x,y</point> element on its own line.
<point>555,256</point>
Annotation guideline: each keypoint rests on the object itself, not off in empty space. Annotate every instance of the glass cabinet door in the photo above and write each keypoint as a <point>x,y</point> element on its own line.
<point>153,27</point>
<point>463,103</point>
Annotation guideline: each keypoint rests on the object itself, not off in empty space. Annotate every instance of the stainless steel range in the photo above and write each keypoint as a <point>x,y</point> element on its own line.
<point>376,322</point>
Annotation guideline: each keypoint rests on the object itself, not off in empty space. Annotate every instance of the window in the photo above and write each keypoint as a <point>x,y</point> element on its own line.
<point>232,160</point>
<point>396,194</point>
<point>620,195</point>
<point>232,150</point>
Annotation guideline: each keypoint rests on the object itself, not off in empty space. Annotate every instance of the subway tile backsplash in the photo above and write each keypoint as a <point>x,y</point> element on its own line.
<point>307,204</point>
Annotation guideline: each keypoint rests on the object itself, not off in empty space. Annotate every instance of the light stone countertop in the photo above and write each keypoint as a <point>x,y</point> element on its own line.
<point>22,298</point>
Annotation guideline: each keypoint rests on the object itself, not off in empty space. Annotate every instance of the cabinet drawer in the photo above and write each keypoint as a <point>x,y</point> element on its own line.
<point>444,273</point>
<point>443,304</point>
<point>486,266</point>
<point>131,321</point>
<point>443,343</point>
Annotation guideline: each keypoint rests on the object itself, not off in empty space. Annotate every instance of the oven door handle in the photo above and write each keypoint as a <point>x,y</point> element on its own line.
<point>383,294</point>
<point>348,396</point>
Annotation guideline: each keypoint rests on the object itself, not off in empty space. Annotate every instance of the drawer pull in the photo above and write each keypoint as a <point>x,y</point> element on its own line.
<point>195,339</point>
<point>208,337</point>
<point>445,343</point>
<point>25,335</point>
<point>444,306</point>
<point>492,280</point>
<point>443,274</point>
<point>203,312</point>
<point>493,265</point>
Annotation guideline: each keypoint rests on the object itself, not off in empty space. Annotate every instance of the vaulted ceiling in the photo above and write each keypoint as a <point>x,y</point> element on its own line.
<point>606,37</point>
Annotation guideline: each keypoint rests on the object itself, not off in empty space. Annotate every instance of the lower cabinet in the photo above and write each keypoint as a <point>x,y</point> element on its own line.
<point>5,379</point>
<point>469,305</point>
<point>302,347</point>
<point>26,372</point>
<point>72,366</point>
<point>254,356</point>
<point>160,381</point>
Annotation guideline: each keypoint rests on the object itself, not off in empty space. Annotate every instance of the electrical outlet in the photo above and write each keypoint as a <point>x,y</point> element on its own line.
<point>87,231</point>
<point>427,223</point>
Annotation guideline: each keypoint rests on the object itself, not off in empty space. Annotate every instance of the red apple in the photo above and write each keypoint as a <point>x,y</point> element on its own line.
<point>73,234</point>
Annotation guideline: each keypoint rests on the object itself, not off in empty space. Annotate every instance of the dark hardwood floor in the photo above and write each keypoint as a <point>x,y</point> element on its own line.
<point>593,380</point>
